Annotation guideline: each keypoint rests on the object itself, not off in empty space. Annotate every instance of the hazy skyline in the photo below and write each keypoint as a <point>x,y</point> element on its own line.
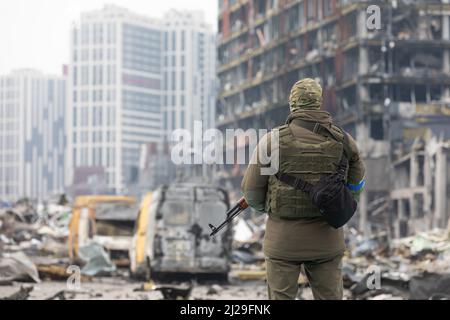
<point>35,34</point>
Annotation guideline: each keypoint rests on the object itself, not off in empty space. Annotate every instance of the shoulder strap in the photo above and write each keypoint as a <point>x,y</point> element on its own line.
<point>294,182</point>
<point>346,142</point>
<point>322,130</point>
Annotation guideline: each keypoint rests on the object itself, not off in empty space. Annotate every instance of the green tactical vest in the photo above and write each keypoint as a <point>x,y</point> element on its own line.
<point>307,161</point>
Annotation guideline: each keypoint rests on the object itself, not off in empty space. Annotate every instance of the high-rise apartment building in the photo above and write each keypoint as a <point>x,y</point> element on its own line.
<point>114,96</point>
<point>189,71</point>
<point>32,135</point>
<point>132,81</point>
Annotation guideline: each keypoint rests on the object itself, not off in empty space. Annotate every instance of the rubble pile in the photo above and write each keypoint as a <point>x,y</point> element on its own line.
<point>32,237</point>
<point>33,249</point>
<point>247,255</point>
<point>416,268</point>
<point>378,268</point>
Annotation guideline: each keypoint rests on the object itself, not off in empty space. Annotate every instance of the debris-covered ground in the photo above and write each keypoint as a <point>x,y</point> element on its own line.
<point>34,264</point>
<point>121,289</point>
<point>412,268</point>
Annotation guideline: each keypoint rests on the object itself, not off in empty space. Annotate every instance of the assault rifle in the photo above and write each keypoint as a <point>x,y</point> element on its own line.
<point>240,207</point>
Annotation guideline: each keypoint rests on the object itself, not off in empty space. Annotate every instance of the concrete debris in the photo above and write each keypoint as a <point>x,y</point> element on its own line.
<point>414,268</point>
<point>32,234</point>
<point>241,256</point>
<point>22,294</point>
<point>61,295</point>
<point>34,228</point>
<point>97,261</point>
<point>23,211</point>
<point>386,297</point>
<point>6,282</point>
<point>430,286</point>
<point>17,267</point>
<point>172,292</point>
<point>248,236</point>
<point>214,290</point>
<point>71,295</point>
<point>57,272</point>
<point>146,286</point>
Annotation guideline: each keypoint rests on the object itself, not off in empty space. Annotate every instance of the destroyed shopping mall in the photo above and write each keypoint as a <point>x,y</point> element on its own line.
<point>389,88</point>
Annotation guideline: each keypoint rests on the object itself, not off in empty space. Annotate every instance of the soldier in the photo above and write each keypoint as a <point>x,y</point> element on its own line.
<point>296,232</point>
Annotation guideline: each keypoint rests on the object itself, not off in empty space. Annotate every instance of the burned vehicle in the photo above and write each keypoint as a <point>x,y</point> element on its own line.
<point>105,220</point>
<point>172,233</point>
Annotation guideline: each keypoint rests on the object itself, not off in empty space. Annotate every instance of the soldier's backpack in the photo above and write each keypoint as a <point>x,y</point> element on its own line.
<point>330,195</point>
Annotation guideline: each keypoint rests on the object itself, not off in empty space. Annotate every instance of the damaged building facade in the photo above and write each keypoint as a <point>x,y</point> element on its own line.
<point>388,87</point>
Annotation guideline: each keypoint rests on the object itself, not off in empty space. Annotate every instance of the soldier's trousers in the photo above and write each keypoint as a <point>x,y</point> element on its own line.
<point>324,276</point>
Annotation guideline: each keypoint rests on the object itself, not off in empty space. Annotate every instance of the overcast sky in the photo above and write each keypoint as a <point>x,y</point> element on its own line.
<point>35,33</point>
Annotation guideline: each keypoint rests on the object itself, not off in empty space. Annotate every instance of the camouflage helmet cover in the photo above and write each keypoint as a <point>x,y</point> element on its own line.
<point>306,94</point>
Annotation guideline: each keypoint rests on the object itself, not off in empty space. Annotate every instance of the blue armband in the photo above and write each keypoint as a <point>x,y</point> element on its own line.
<point>357,187</point>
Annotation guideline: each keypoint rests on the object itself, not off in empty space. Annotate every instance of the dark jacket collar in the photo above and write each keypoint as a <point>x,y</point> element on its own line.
<point>319,116</point>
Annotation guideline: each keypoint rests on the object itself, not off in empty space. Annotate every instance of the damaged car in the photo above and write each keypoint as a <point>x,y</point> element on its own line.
<point>172,233</point>
<point>105,220</point>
